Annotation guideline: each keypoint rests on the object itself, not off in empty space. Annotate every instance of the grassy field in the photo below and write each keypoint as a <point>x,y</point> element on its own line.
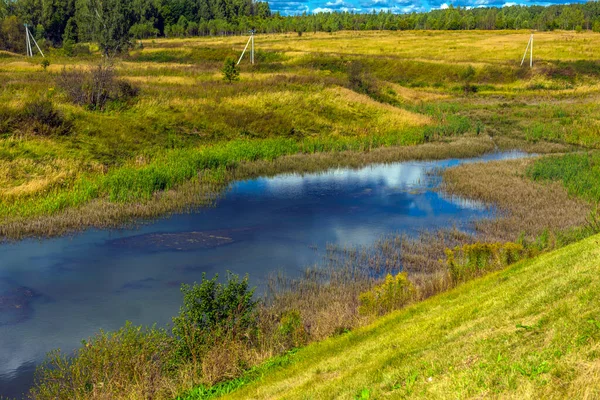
<point>531,331</point>
<point>302,96</point>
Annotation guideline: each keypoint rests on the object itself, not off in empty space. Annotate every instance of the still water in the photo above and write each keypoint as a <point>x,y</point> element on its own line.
<point>55,292</point>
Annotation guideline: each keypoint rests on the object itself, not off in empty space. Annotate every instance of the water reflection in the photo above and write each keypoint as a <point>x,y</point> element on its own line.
<point>99,279</point>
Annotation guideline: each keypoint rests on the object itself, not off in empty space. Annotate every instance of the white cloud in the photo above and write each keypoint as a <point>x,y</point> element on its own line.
<point>322,10</point>
<point>509,4</point>
<point>444,6</point>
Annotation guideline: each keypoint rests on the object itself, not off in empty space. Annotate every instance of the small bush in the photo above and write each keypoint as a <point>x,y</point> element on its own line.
<point>291,330</point>
<point>212,312</point>
<point>45,64</point>
<point>96,89</point>
<point>81,49</point>
<point>230,71</point>
<point>392,294</point>
<point>128,363</point>
<point>40,118</point>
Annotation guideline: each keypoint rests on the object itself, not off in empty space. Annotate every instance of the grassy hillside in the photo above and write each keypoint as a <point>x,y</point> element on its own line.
<point>315,93</point>
<point>531,331</point>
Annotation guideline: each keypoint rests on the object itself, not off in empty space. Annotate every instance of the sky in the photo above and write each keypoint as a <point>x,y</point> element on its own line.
<point>291,7</point>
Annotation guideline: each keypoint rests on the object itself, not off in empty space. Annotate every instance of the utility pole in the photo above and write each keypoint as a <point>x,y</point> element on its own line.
<point>250,41</point>
<point>28,39</point>
<point>530,49</point>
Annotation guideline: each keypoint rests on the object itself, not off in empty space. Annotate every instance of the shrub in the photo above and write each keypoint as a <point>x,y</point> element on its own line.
<point>230,70</point>
<point>226,359</point>
<point>359,78</point>
<point>291,330</point>
<point>45,63</point>
<point>128,363</point>
<point>41,118</point>
<point>96,89</point>
<point>472,260</point>
<point>67,47</point>
<point>212,312</point>
<point>392,294</point>
<point>81,49</point>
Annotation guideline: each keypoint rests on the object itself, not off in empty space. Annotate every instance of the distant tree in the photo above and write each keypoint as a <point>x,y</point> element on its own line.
<point>230,71</point>
<point>111,25</point>
<point>143,30</point>
<point>12,35</point>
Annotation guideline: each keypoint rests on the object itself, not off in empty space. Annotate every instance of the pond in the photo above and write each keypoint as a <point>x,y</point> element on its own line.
<point>55,292</point>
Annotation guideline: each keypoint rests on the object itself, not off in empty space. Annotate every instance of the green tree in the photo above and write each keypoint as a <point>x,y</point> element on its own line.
<point>112,24</point>
<point>230,71</point>
<point>12,35</point>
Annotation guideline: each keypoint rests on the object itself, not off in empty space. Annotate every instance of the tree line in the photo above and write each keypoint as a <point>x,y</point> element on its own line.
<point>115,23</point>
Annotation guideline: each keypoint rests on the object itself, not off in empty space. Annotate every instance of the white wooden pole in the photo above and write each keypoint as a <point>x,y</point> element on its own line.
<point>526,49</point>
<point>36,45</point>
<point>531,54</point>
<point>238,63</point>
<point>28,45</point>
<point>252,47</point>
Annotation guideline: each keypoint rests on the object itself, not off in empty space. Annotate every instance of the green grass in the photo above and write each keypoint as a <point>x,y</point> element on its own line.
<point>252,375</point>
<point>530,331</point>
<point>170,168</point>
<point>579,173</point>
<point>296,99</point>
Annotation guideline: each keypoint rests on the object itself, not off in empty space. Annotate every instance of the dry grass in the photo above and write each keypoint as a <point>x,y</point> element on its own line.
<point>527,207</point>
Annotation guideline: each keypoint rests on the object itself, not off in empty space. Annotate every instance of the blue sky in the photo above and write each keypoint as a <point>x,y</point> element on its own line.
<point>287,7</point>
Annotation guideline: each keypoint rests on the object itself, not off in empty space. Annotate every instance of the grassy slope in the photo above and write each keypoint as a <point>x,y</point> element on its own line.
<point>530,331</point>
<point>296,97</point>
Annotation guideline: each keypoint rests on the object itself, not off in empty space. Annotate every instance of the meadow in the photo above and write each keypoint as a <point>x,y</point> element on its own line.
<point>320,92</point>
<point>173,134</point>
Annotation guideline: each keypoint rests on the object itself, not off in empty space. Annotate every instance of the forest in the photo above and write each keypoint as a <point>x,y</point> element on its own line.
<point>116,24</point>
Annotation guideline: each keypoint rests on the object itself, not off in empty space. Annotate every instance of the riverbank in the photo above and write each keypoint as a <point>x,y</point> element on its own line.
<point>506,335</point>
<point>171,117</point>
<point>204,189</point>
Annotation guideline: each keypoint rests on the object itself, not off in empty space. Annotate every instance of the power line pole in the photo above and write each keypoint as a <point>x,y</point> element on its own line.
<point>530,49</point>
<point>250,41</point>
<point>28,39</point>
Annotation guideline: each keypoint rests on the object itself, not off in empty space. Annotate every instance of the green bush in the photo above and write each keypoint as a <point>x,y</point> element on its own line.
<point>392,294</point>
<point>213,312</point>
<point>128,363</point>
<point>230,71</point>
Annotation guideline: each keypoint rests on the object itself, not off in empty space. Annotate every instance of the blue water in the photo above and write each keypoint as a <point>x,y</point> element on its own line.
<point>55,292</point>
